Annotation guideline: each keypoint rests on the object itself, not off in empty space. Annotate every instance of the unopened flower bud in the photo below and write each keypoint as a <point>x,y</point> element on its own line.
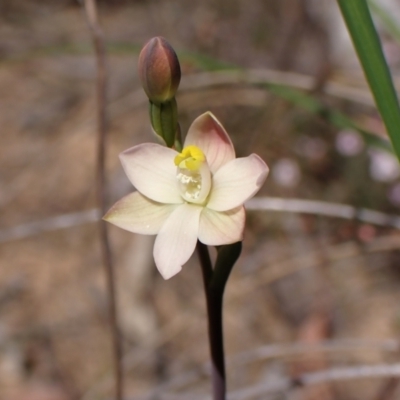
<point>159,70</point>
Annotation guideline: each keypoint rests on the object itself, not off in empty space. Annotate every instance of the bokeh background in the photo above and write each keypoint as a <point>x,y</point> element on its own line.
<point>311,292</point>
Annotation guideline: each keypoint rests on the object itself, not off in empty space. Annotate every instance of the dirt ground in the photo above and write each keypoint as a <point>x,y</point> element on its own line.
<point>309,293</point>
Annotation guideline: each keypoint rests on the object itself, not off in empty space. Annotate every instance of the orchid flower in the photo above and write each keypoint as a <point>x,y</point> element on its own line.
<point>197,194</point>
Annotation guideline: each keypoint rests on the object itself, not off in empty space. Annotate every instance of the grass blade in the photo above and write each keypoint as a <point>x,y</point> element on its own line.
<point>367,44</point>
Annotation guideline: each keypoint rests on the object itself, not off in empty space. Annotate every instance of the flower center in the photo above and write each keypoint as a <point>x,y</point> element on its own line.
<point>193,174</point>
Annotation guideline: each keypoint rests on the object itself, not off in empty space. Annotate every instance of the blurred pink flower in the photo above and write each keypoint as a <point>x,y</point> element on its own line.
<point>182,197</point>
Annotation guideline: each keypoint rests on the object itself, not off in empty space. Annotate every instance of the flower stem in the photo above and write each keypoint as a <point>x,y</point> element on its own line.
<point>214,296</point>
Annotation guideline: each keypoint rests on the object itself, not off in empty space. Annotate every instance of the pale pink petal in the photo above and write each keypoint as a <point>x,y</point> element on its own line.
<point>236,182</point>
<point>138,214</point>
<point>177,239</point>
<point>151,169</point>
<point>218,228</point>
<point>207,133</point>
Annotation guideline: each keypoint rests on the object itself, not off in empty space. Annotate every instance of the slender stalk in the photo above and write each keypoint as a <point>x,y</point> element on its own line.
<point>101,82</point>
<point>214,298</point>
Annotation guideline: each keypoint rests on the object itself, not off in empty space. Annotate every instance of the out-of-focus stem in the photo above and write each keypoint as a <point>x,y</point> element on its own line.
<point>98,42</point>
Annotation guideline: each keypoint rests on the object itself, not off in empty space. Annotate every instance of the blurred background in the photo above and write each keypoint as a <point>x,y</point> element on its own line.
<point>317,287</point>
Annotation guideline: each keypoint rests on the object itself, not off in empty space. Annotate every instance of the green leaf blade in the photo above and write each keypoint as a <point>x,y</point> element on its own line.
<point>368,47</point>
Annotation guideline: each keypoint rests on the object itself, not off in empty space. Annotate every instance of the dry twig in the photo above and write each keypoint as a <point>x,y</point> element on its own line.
<point>285,384</point>
<point>98,42</point>
<point>313,207</point>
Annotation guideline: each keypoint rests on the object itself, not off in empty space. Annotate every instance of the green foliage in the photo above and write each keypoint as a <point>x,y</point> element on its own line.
<point>367,44</point>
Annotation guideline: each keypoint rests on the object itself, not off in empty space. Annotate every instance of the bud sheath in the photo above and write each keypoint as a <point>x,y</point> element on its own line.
<point>164,120</point>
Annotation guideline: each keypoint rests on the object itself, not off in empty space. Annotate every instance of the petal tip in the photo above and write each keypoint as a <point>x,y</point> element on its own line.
<point>262,167</point>
<point>169,273</point>
<point>108,216</point>
<point>209,117</point>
